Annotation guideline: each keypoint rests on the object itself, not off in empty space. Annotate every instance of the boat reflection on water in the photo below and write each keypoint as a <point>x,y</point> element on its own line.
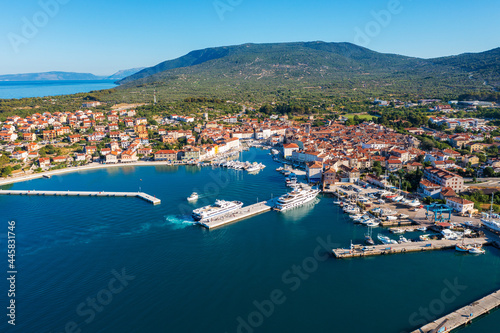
<point>298,213</point>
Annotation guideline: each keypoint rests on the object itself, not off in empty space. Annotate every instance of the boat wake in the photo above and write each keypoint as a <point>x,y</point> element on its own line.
<point>179,222</point>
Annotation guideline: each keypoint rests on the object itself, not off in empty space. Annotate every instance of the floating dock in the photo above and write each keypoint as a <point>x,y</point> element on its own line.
<point>463,316</point>
<point>142,195</point>
<point>374,250</point>
<point>240,214</point>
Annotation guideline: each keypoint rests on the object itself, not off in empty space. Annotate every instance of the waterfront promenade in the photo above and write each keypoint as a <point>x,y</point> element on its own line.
<point>142,195</point>
<point>97,166</point>
<point>240,214</point>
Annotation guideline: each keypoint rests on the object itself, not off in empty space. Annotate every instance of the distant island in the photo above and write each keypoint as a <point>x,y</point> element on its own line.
<point>67,76</point>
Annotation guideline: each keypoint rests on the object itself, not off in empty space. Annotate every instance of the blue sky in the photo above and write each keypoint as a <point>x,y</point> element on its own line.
<point>102,37</point>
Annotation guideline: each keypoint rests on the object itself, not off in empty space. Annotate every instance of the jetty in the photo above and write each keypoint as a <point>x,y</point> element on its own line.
<point>240,214</point>
<point>463,316</point>
<point>152,199</point>
<point>374,250</point>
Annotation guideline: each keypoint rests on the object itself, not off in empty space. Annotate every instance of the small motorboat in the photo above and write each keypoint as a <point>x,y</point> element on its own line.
<point>476,249</point>
<point>372,224</point>
<point>193,197</point>
<point>403,239</point>
<point>424,237</point>
<point>423,229</point>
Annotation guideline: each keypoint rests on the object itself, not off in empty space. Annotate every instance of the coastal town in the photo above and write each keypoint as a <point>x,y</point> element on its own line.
<point>333,153</point>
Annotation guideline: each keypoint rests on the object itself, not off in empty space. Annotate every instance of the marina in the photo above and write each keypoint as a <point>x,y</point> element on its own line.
<point>162,235</point>
<point>463,316</point>
<point>375,250</point>
<point>150,198</point>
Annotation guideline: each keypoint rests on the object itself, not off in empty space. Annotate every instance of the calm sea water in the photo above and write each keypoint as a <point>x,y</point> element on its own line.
<point>189,279</point>
<point>21,89</point>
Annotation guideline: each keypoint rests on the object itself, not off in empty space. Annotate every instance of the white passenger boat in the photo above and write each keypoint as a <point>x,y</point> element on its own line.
<point>193,197</point>
<point>220,208</point>
<point>299,196</point>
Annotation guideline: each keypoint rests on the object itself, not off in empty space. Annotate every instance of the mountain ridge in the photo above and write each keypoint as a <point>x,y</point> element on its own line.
<point>64,76</point>
<point>322,67</point>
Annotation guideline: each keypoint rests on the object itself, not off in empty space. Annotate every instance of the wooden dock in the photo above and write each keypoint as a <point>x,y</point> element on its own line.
<point>463,316</point>
<point>142,195</point>
<point>240,214</point>
<point>374,250</point>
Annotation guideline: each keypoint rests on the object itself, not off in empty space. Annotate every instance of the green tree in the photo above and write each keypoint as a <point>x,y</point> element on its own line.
<point>489,172</point>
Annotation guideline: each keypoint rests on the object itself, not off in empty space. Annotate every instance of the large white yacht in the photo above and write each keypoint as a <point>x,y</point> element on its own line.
<point>491,223</point>
<point>220,208</point>
<point>491,220</point>
<point>299,196</point>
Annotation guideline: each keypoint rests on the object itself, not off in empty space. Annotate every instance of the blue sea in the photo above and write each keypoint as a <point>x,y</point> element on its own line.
<point>123,265</point>
<point>22,89</point>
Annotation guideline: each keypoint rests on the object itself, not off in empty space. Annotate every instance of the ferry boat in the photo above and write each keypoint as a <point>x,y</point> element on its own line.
<point>221,207</point>
<point>193,197</point>
<point>298,197</point>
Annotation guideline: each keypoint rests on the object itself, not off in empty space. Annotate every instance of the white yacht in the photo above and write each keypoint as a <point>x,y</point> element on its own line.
<point>373,224</point>
<point>221,207</point>
<point>193,197</point>
<point>385,239</point>
<point>491,221</point>
<point>414,203</point>
<point>351,210</point>
<point>253,168</point>
<point>402,239</point>
<point>448,234</point>
<point>298,197</point>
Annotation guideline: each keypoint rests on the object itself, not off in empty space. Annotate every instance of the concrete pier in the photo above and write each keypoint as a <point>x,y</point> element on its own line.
<point>463,316</point>
<point>374,250</point>
<point>240,214</point>
<point>142,195</point>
